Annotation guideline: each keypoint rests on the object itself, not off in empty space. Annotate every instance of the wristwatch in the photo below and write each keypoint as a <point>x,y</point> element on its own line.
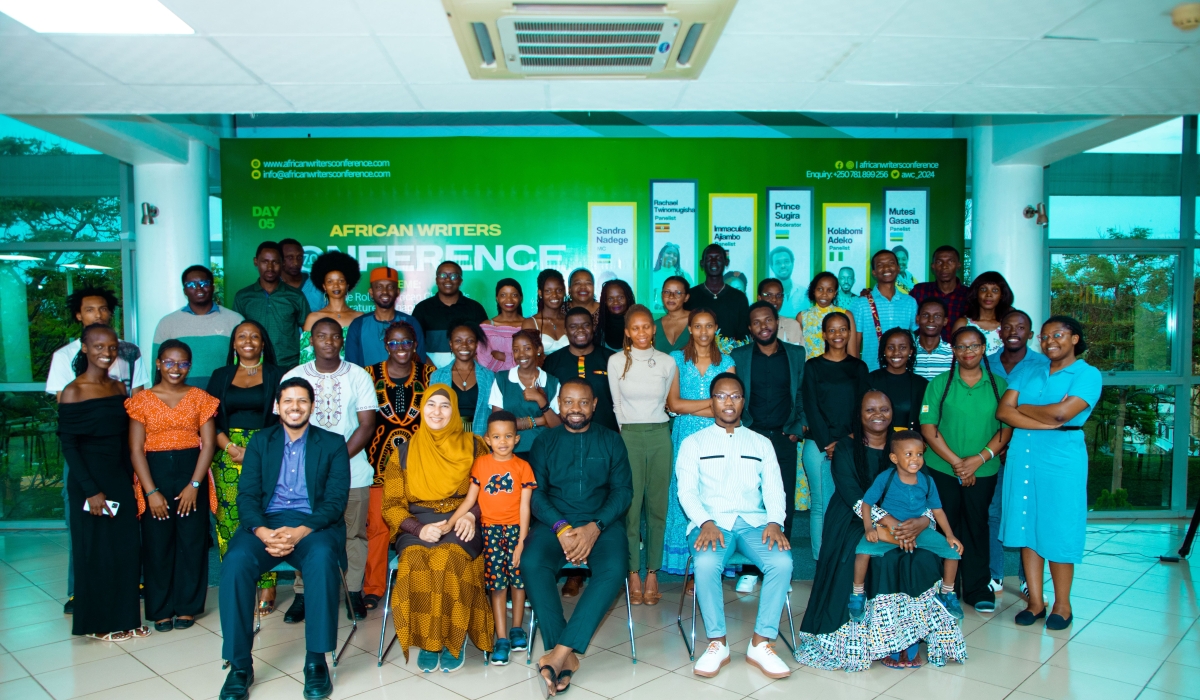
<point>600,524</point>
<point>196,485</point>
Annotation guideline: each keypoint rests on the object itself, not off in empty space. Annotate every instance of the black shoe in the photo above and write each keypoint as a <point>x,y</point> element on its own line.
<point>317,684</point>
<point>237,684</point>
<point>166,626</point>
<point>182,624</point>
<point>69,606</point>
<point>358,606</point>
<point>296,612</point>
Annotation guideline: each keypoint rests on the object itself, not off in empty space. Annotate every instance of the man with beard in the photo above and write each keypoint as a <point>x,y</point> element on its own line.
<point>440,313</point>
<point>584,488</point>
<point>291,501</point>
<point>364,336</point>
<point>293,274</point>
<point>729,304</point>
<point>774,408</point>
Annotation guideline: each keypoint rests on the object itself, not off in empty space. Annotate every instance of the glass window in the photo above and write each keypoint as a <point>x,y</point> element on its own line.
<point>60,219</point>
<point>31,464</point>
<point>1193,448</point>
<point>1109,218</point>
<point>20,139</point>
<point>1164,138</point>
<point>34,319</point>
<point>1130,442</point>
<point>1124,302</point>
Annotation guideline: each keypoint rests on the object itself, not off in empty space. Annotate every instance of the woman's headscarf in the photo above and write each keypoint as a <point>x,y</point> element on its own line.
<point>439,460</point>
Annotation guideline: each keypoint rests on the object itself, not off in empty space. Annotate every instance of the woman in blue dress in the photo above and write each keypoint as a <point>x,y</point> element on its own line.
<point>1045,479</point>
<point>698,363</point>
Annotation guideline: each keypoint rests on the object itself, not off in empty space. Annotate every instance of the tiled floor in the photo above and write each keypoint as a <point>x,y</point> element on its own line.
<point>1135,635</point>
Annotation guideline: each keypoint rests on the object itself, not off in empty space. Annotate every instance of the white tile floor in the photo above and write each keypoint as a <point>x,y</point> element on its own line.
<point>1135,635</point>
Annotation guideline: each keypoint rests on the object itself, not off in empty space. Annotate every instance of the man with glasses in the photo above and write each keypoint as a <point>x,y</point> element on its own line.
<point>364,337</point>
<point>731,490</point>
<point>445,310</point>
<point>202,323</point>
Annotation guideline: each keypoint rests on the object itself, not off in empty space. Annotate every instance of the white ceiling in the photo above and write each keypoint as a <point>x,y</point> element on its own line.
<point>880,56</point>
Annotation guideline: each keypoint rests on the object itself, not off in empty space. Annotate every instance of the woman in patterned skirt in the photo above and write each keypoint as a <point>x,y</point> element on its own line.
<point>246,388</point>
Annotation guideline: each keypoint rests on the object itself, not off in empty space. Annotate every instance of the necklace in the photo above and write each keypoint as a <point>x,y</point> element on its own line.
<point>454,373</point>
<point>716,293</point>
<point>649,361</point>
<point>251,370</point>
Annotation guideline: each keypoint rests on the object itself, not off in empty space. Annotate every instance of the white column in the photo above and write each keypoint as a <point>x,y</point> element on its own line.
<point>177,239</point>
<point>1002,239</point>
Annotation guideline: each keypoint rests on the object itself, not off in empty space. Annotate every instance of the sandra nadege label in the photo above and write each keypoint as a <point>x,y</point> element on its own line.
<point>612,241</point>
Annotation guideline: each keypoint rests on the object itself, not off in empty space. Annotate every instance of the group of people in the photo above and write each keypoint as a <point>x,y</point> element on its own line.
<point>497,454</point>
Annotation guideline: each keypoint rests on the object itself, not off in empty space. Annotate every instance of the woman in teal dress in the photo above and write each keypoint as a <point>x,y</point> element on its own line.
<point>335,274</point>
<point>1045,479</point>
<point>698,363</point>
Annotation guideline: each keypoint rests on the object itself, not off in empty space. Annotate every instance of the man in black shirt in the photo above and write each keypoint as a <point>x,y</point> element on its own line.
<point>445,310</point>
<point>729,304</point>
<point>585,360</point>
<point>774,407</point>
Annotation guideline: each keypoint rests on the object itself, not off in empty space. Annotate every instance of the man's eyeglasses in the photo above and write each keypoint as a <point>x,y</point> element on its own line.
<point>393,345</point>
<point>198,284</point>
<point>728,397</point>
<point>973,347</point>
<point>172,364</point>
<point>449,276</point>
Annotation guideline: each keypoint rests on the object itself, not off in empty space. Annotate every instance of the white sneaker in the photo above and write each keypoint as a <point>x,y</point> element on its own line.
<point>764,657</point>
<point>746,584</point>
<point>709,664</point>
<point>996,586</point>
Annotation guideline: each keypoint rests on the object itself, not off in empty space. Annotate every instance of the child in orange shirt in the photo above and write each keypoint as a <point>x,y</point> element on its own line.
<point>503,485</point>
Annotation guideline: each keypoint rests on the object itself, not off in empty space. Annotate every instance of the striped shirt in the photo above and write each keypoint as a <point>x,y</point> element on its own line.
<point>724,476</point>
<point>931,364</point>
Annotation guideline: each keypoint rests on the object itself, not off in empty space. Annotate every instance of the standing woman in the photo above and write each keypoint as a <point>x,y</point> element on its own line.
<point>471,381</point>
<point>958,421</point>
<point>439,599</point>
<point>400,383</point>
<point>640,379</point>
<point>335,274</point>
<point>696,366</point>
<point>507,321</point>
<point>245,388</point>
<point>1047,407</point>
<point>93,428</point>
<point>833,386</point>
<point>822,292</point>
<point>582,285</point>
<point>551,317</point>
<point>989,300</point>
<point>527,392</point>
<point>671,330</point>
<point>615,299</point>
<point>172,438</point>
<point>895,377</point>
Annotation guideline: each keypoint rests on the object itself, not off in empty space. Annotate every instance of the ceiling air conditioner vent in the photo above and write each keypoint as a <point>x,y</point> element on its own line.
<point>586,38</point>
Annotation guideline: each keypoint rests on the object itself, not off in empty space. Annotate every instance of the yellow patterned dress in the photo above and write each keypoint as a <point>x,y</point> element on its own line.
<point>439,598</point>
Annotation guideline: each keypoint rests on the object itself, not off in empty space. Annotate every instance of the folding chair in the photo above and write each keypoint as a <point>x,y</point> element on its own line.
<point>737,559</point>
<point>284,566</point>
<point>628,617</point>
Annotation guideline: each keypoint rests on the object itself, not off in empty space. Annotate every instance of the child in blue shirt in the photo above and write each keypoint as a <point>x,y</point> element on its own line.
<point>905,493</point>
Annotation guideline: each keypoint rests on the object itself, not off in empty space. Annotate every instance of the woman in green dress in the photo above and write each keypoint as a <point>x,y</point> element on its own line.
<point>671,330</point>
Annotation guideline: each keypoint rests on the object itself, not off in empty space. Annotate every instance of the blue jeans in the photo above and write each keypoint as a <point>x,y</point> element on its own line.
<point>775,564</point>
<point>819,471</point>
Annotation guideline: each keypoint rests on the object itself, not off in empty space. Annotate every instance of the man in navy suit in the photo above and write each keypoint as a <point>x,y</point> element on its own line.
<point>291,501</point>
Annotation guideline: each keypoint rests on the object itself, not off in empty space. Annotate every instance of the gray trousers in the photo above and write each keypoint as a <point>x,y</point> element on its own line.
<point>356,540</point>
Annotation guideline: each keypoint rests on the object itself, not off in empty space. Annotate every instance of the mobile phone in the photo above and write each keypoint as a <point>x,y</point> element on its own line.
<point>112,506</point>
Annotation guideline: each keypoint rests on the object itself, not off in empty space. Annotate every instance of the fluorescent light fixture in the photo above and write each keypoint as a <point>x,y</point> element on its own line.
<point>95,16</point>
<point>19,258</point>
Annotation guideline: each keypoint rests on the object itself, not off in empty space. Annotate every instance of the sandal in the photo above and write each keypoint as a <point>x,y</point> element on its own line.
<point>549,683</point>
<point>371,601</point>
<point>140,632</point>
<point>565,674</point>
<point>111,636</point>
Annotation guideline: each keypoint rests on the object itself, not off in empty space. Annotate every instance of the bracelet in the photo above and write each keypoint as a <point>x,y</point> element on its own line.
<point>558,525</point>
<point>545,408</point>
<point>993,454</point>
<point>152,492</point>
<point>564,529</point>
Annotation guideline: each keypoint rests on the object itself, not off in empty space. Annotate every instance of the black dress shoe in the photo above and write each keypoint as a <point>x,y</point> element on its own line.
<point>237,684</point>
<point>317,684</point>
<point>358,606</point>
<point>296,612</point>
<point>182,624</point>
<point>165,626</point>
<point>69,606</point>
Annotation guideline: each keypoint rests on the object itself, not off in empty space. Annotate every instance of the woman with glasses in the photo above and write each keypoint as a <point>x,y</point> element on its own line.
<point>335,274</point>
<point>400,382</point>
<point>958,421</point>
<point>671,330</point>
<point>1047,407</point>
<point>172,438</point>
<point>245,386</point>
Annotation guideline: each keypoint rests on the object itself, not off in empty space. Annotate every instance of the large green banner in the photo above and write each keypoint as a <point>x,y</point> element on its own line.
<point>638,209</point>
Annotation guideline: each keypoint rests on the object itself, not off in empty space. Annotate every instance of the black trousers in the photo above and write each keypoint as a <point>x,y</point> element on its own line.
<point>786,452</point>
<point>318,556</point>
<point>175,550</point>
<point>966,509</point>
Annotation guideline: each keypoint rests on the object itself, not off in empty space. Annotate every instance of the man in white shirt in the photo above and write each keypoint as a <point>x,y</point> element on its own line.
<point>731,490</point>
<point>90,305</point>
<point>345,404</point>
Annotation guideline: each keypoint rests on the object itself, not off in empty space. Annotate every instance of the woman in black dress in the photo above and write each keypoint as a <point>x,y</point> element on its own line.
<point>93,429</point>
<point>901,586</point>
<point>895,378</point>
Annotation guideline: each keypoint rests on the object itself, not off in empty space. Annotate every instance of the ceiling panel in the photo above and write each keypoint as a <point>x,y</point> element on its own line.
<point>312,59</point>
<point>858,97</point>
<point>407,17</point>
<point>506,96</point>
<point>216,98</point>
<point>427,59</point>
<point>902,60</point>
<point>1074,63</point>
<point>990,99</point>
<point>1109,100</point>
<point>632,94</point>
<point>846,17</point>
<point>270,17</point>
<point>1009,19</point>
<point>1127,20</point>
<point>85,99</point>
<point>34,60</point>
<point>1176,71</point>
<point>349,98</point>
<point>767,97</point>
<point>162,60</point>
<point>776,57</point>
<point>10,26</point>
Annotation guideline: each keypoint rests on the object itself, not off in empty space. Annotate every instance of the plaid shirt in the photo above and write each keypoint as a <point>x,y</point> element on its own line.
<point>956,302</point>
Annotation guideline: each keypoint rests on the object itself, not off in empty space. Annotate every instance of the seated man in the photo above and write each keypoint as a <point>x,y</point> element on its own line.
<point>292,499</point>
<point>584,488</point>
<point>732,493</point>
